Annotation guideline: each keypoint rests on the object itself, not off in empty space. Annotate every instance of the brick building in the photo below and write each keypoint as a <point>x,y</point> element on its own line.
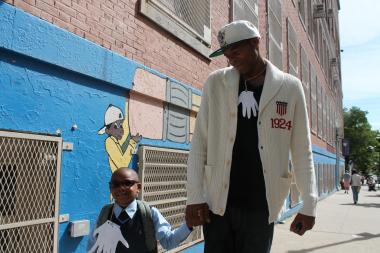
<point>63,62</point>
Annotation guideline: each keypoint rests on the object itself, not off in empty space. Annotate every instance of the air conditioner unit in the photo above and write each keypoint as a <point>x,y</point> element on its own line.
<point>334,62</point>
<point>319,11</point>
<point>330,13</point>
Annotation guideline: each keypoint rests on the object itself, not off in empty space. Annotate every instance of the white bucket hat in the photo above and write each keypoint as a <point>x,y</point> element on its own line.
<point>234,32</point>
<point>112,115</point>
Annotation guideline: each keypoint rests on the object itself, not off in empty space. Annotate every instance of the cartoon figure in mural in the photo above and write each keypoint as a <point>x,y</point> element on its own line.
<point>120,144</point>
<point>131,225</point>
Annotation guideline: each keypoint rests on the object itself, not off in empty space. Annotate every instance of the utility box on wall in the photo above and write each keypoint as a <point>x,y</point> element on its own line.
<point>79,228</point>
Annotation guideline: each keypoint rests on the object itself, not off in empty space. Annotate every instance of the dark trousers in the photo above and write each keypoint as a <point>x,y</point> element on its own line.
<point>238,231</point>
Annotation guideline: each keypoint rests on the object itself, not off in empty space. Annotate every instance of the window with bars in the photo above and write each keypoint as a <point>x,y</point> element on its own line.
<point>314,114</point>
<point>320,102</point>
<point>246,10</point>
<point>305,77</point>
<point>334,123</point>
<point>275,32</point>
<point>292,50</point>
<point>310,20</point>
<point>302,10</point>
<point>332,130</point>
<point>189,21</point>
<point>328,128</point>
<point>324,114</point>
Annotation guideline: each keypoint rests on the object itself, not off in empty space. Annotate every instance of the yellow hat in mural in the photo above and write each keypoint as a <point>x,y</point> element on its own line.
<point>112,115</point>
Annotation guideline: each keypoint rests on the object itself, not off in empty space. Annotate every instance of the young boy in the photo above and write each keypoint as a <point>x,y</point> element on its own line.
<point>130,225</point>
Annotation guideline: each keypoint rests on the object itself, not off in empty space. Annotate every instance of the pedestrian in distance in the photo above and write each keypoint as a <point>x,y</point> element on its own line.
<point>252,115</point>
<point>130,225</point>
<point>355,185</point>
<point>346,182</point>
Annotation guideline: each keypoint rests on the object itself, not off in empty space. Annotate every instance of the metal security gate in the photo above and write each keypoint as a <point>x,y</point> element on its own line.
<point>29,192</point>
<point>163,176</point>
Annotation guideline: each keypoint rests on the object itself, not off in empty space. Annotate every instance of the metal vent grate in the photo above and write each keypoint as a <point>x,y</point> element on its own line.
<point>29,187</point>
<point>31,239</point>
<point>163,176</point>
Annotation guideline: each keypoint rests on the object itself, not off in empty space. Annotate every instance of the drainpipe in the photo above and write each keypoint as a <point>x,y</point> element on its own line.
<point>267,27</point>
<point>337,161</point>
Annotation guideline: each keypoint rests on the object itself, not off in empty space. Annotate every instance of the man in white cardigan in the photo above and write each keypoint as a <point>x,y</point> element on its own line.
<point>252,116</point>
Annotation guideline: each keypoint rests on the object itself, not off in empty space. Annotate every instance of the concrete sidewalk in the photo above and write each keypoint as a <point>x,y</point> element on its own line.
<point>340,226</point>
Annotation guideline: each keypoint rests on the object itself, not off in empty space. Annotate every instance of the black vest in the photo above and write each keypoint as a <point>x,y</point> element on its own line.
<point>133,232</point>
<point>140,240</point>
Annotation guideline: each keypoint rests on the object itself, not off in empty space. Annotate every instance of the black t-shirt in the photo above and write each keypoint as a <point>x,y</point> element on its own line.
<point>247,186</point>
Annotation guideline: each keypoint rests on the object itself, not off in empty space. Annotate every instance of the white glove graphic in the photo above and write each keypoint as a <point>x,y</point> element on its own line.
<point>109,234</point>
<point>248,103</point>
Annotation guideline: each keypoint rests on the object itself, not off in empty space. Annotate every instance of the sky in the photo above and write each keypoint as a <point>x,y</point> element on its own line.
<point>359,24</point>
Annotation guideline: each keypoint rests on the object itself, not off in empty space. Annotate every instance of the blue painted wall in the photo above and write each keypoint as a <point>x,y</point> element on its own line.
<point>51,79</point>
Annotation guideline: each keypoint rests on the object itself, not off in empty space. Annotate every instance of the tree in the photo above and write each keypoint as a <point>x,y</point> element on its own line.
<point>363,140</point>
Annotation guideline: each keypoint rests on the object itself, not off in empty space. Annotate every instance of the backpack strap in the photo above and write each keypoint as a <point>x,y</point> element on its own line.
<point>147,220</point>
<point>105,214</point>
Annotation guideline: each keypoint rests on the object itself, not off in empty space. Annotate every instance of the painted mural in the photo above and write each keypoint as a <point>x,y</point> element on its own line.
<point>157,109</point>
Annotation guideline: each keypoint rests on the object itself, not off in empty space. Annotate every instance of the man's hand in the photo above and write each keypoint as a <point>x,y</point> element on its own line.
<point>302,223</point>
<point>197,214</point>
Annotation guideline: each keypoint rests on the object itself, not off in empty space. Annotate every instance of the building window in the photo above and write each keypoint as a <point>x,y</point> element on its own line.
<point>189,21</point>
<point>331,126</point>
<point>292,51</point>
<point>313,86</point>
<point>319,102</point>
<point>328,119</point>
<point>246,10</point>
<point>310,20</point>
<point>302,10</point>
<point>305,77</point>
<point>275,32</point>
<point>324,114</point>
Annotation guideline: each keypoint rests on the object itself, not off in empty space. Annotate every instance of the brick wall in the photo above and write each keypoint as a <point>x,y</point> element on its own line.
<point>118,26</point>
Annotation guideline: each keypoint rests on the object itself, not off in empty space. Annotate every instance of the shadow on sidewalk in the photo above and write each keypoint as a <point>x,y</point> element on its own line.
<point>377,195</point>
<point>362,237</point>
<point>375,205</point>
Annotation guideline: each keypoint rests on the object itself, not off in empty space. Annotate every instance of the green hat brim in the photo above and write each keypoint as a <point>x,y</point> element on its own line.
<point>218,52</point>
